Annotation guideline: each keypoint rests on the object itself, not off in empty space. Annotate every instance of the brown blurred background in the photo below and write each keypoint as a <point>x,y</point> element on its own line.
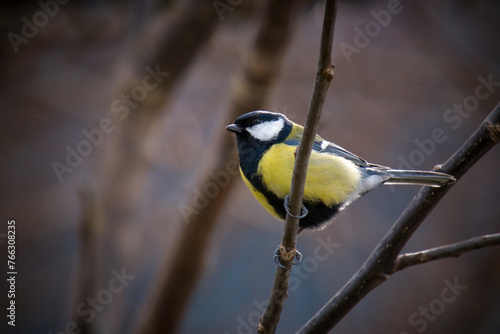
<point>120,207</point>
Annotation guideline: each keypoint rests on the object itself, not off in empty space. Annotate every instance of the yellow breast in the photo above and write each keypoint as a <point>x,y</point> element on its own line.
<point>260,197</point>
<point>330,179</point>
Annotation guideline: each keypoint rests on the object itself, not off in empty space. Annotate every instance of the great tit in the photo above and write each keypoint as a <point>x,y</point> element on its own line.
<point>267,143</point>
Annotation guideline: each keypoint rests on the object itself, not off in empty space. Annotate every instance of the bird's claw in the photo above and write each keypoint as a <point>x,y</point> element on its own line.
<point>288,255</point>
<point>303,212</point>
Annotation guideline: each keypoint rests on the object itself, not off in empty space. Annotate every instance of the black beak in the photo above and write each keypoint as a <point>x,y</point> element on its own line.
<point>234,128</point>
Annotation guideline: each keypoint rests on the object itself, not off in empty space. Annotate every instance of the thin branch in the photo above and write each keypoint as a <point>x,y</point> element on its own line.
<point>324,75</point>
<point>452,250</point>
<point>379,265</point>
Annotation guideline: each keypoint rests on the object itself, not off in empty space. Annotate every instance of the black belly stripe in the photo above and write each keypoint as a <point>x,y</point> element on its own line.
<point>319,213</point>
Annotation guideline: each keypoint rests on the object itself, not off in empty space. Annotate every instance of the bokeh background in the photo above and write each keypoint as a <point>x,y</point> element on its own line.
<point>120,209</point>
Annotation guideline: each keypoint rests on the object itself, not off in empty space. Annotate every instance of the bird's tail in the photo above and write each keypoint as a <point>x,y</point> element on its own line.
<point>418,177</point>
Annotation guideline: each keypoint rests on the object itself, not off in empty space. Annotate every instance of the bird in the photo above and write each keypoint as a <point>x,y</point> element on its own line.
<point>267,143</point>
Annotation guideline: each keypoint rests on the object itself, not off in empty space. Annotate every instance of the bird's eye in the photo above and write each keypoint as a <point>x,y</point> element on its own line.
<point>256,121</point>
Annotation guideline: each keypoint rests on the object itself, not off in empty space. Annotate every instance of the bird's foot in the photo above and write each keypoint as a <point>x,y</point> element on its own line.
<point>303,213</point>
<point>282,254</point>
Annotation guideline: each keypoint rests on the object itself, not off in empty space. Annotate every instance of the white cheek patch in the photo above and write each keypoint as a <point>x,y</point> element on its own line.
<point>267,130</point>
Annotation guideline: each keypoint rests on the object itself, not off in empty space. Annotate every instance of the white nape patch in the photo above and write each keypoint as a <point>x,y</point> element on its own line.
<point>324,145</point>
<point>267,130</point>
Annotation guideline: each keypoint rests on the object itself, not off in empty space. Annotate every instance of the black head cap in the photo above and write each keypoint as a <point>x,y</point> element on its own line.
<point>261,125</point>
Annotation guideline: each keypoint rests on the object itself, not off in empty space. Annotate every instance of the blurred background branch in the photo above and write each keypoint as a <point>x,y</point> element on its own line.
<point>90,225</point>
<point>152,68</point>
<point>171,295</point>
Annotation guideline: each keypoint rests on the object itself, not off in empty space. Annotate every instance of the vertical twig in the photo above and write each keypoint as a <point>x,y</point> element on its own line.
<point>324,75</point>
<point>124,167</point>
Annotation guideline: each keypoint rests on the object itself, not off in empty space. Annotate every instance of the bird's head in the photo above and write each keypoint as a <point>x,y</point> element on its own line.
<point>263,126</point>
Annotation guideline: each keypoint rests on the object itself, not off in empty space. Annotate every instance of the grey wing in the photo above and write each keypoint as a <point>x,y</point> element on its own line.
<point>324,146</point>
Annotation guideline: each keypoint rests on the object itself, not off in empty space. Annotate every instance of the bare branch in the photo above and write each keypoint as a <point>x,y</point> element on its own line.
<point>452,250</point>
<point>379,265</point>
<point>324,75</point>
